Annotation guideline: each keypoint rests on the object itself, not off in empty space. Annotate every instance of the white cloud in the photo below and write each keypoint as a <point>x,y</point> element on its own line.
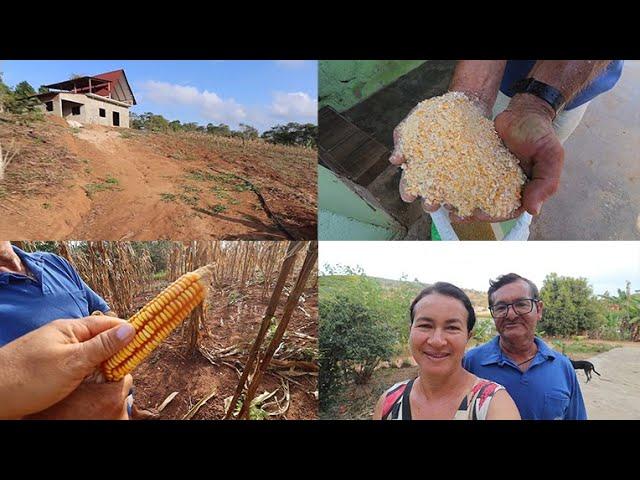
<point>284,107</point>
<point>210,105</point>
<point>292,63</point>
<point>294,105</point>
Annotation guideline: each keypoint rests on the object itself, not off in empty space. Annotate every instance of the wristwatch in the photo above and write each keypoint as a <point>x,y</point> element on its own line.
<point>549,94</point>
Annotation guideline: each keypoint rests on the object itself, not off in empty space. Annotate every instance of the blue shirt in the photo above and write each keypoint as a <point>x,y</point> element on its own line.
<point>57,292</point>
<point>519,69</point>
<point>548,390</point>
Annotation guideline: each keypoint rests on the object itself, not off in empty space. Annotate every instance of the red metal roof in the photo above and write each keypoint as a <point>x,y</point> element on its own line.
<point>113,77</point>
<point>104,89</point>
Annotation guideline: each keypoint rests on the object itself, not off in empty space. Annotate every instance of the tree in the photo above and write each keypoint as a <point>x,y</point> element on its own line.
<point>248,132</point>
<point>623,312</point>
<point>570,307</point>
<point>175,126</point>
<point>5,93</point>
<point>149,121</point>
<point>221,130</point>
<point>353,340</point>
<point>22,99</point>
<point>293,134</point>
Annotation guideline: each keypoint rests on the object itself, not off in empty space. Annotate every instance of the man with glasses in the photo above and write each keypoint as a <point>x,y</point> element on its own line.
<point>541,381</point>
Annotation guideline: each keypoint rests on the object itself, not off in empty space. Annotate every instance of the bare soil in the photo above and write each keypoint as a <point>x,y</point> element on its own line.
<point>232,318</point>
<point>104,183</point>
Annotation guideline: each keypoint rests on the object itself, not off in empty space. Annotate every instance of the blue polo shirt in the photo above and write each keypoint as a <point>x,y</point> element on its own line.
<point>57,292</point>
<point>519,69</point>
<point>548,390</point>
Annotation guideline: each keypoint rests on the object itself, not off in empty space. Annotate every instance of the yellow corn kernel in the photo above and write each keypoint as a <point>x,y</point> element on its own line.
<point>455,157</point>
<point>157,319</point>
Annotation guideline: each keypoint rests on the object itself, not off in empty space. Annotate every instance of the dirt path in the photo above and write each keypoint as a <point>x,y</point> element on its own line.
<point>99,183</point>
<point>145,183</point>
<point>615,395</point>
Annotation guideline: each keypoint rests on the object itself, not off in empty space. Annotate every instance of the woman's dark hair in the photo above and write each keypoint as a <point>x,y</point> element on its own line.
<point>444,288</point>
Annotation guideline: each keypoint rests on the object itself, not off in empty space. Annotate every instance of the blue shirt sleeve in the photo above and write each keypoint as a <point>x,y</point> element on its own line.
<point>577,409</point>
<point>95,301</point>
<point>465,362</point>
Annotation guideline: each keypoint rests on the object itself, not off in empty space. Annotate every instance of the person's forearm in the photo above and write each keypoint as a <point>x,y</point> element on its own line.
<point>568,76</point>
<point>10,385</point>
<point>479,79</point>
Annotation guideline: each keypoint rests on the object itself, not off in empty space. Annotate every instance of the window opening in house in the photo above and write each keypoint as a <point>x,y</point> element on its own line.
<point>103,112</point>
<point>49,106</point>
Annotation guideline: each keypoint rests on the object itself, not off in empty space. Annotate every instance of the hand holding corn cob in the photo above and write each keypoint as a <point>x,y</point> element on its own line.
<point>44,366</point>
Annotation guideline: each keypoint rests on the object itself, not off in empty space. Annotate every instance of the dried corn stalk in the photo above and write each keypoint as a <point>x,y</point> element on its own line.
<point>114,270</point>
<point>455,157</point>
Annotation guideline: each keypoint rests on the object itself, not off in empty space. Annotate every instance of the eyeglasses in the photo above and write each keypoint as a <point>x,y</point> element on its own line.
<point>520,307</point>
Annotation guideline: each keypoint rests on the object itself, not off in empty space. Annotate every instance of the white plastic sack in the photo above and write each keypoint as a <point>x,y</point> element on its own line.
<point>440,219</point>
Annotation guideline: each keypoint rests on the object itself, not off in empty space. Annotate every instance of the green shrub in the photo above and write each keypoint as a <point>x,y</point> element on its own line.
<point>353,340</point>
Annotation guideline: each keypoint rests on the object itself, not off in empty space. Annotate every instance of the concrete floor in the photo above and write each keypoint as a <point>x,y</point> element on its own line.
<point>599,195</point>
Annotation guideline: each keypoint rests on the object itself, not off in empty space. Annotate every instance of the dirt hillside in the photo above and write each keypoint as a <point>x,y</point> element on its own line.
<point>105,183</point>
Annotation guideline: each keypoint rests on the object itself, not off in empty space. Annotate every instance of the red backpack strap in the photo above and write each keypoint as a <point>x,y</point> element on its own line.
<point>392,397</point>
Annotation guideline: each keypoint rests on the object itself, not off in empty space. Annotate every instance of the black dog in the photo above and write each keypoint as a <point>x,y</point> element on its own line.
<point>586,366</point>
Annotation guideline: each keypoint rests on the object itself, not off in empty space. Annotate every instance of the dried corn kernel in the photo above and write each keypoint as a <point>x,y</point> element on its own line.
<point>157,319</point>
<point>455,157</point>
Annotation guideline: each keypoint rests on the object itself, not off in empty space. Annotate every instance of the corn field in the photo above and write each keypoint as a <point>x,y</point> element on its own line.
<point>246,275</point>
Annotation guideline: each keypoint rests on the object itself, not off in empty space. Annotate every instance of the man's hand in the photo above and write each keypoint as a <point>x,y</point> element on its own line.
<point>91,401</point>
<point>397,158</point>
<point>9,261</point>
<point>526,129</point>
<point>44,366</point>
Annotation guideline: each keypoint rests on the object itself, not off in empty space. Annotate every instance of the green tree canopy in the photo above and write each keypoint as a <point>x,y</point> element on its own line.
<point>570,307</point>
<point>293,134</point>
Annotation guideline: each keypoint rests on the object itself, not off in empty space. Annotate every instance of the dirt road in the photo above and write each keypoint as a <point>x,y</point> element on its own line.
<point>615,395</point>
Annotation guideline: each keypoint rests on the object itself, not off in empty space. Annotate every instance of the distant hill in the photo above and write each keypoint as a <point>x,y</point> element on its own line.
<point>478,298</point>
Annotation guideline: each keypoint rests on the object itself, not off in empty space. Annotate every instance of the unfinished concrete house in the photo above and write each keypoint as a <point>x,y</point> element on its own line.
<point>102,99</point>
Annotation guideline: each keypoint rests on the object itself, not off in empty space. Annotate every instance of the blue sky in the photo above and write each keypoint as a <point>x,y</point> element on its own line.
<point>262,93</point>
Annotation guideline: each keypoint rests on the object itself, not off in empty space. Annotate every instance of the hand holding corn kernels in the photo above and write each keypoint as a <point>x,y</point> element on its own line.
<point>451,155</point>
<point>526,128</point>
<point>450,176</point>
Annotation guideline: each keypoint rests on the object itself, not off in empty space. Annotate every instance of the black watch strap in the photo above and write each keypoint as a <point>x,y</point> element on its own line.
<point>549,94</point>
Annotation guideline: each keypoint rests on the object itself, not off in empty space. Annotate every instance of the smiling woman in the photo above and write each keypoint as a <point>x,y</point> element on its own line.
<point>442,319</point>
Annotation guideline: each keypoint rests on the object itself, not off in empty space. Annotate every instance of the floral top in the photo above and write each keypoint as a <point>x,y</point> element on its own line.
<point>474,406</point>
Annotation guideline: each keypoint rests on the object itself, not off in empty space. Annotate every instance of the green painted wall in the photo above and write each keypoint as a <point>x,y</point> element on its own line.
<point>343,83</point>
<point>344,215</point>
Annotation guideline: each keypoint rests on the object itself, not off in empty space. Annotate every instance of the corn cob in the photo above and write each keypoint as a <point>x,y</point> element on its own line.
<point>157,319</point>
